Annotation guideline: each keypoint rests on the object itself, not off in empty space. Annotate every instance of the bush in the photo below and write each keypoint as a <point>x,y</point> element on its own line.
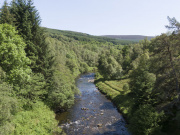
<point>39,121</point>
<point>62,90</point>
<point>13,58</point>
<point>8,108</point>
<point>145,121</point>
<point>84,67</point>
<point>126,87</point>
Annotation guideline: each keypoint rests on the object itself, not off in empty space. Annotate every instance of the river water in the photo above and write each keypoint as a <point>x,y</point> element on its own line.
<point>92,113</point>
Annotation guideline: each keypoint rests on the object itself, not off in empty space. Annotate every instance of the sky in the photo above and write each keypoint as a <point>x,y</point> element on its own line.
<point>108,17</point>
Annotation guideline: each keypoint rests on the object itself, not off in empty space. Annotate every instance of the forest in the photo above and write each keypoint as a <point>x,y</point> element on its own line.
<point>38,67</point>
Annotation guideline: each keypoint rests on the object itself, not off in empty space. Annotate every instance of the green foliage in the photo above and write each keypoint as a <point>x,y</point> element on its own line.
<point>165,64</point>
<point>87,38</point>
<point>153,70</point>
<point>12,55</point>
<point>72,65</point>
<point>8,106</point>
<point>84,68</point>
<point>38,121</point>
<point>64,70</point>
<point>110,67</point>
<point>36,69</point>
<point>2,75</point>
<point>114,90</point>
<point>27,18</point>
<point>142,86</point>
<point>27,87</point>
<point>28,24</point>
<point>174,25</point>
<point>145,121</point>
<point>34,89</point>
<point>61,92</point>
<point>5,15</point>
<point>126,87</point>
<point>8,103</point>
<point>142,82</point>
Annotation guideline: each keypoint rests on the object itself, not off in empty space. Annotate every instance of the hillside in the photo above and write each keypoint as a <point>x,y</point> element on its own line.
<point>86,37</point>
<point>135,38</point>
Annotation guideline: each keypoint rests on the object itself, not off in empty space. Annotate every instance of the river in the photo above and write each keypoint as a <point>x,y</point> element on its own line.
<point>92,113</point>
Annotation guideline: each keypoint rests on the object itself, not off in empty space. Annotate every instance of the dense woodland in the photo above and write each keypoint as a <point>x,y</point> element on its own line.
<point>38,67</point>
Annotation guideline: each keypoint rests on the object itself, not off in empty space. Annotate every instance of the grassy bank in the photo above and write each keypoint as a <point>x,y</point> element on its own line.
<point>113,89</point>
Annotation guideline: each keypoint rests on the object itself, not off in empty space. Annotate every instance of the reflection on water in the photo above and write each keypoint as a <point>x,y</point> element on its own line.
<point>92,113</point>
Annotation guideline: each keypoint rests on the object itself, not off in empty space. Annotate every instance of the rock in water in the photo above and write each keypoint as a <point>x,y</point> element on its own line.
<point>99,125</point>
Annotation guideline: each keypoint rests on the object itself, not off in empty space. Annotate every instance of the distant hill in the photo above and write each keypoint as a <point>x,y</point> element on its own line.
<point>87,38</point>
<point>129,37</point>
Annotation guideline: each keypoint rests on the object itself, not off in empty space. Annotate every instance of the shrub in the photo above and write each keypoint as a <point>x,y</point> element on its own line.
<point>8,108</point>
<point>145,121</point>
<point>13,58</point>
<point>39,121</point>
<point>126,87</point>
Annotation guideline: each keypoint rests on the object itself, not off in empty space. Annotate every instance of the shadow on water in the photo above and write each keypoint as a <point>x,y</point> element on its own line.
<point>107,105</point>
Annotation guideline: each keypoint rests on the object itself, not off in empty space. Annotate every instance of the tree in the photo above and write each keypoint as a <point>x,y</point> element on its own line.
<point>174,25</point>
<point>145,121</point>
<point>28,24</point>
<point>110,67</point>
<point>142,82</point>
<point>5,15</point>
<point>61,92</point>
<point>166,63</point>
<point>13,58</point>
<point>27,18</point>
<point>127,54</point>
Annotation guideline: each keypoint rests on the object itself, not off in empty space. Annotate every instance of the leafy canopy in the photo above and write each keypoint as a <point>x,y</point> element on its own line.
<point>13,58</point>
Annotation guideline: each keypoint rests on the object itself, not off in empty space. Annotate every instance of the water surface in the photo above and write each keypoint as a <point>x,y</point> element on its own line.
<point>92,113</point>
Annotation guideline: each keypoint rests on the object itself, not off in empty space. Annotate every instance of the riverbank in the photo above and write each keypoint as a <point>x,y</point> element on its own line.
<point>92,112</point>
<point>114,91</point>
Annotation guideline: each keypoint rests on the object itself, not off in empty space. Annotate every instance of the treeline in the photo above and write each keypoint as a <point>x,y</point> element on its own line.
<point>89,38</point>
<point>32,81</point>
<point>136,38</point>
<point>153,70</point>
<point>38,68</point>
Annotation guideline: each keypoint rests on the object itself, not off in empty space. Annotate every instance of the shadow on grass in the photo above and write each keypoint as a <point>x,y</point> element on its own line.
<point>124,104</point>
<point>99,80</point>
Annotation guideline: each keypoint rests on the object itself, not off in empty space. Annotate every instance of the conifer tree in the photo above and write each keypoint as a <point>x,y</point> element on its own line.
<point>5,15</point>
<point>166,63</point>
<point>28,24</point>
